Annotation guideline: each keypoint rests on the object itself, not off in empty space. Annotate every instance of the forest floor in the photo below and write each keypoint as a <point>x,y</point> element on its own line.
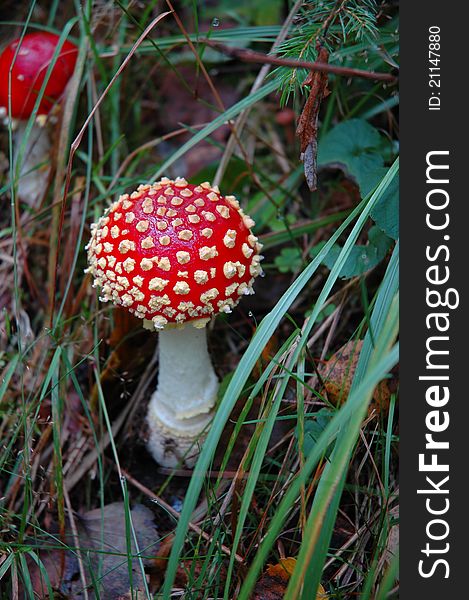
<point>299,470</point>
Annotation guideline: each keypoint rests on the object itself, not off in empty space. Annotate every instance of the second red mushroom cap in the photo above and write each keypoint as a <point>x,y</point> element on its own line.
<point>29,60</point>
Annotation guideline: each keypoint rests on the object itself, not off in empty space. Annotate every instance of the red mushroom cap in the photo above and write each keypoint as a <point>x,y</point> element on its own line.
<point>29,70</point>
<point>174,252</point>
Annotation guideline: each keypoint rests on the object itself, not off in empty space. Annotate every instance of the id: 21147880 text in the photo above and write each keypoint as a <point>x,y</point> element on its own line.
<point>434,71</point>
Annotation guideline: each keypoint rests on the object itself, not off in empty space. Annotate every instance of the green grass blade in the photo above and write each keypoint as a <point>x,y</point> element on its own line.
<point>389,580</point>
<point>45,575</point>
<point>383,303</point>
<point>387,447</point>
<point>260,450</point>
<point>379,319</point>
<point>25,575</point>
<point>264,332</point>
<point>215,124</point>
<point>8,375</point>
<point>6,564</point>
<point>337,422</point>
<point>130,529</point>
<point>312,554</point>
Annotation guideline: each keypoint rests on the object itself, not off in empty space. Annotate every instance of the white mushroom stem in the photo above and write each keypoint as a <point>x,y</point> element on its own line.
<point>181,407</point>
<point>33,172</point>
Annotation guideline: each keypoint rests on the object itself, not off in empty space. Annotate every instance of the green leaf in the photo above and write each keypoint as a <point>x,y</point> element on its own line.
<point>386,212</point>
<point>289,259</point>
<point>324,313</point>
<point>361,258</point>
<point>314,427</point>
<point>278,224</point>
<point>357,147</point>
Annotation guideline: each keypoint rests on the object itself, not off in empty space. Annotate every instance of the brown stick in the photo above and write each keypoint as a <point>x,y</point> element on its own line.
<point>175,513</point>
<point>258,57</point>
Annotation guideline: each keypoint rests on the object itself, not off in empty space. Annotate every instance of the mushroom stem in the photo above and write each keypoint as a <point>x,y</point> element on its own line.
<point>181,407</point>
<point>33,172</point>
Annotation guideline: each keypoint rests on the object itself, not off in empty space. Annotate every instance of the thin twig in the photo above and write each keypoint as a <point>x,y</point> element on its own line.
<point>174,512</point>
<point>322,67</point>
<point>321,34</point>
<point>76,541</point>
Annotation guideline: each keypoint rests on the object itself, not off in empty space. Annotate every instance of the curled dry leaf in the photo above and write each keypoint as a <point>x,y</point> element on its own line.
<point>105,532</point>
<point>337,375</point>
<point>307,129</point>
<point>273,583</point>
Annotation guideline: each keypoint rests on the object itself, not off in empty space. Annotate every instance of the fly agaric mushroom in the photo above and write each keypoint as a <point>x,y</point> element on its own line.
<point>175,254</point>
<point>22,74</point>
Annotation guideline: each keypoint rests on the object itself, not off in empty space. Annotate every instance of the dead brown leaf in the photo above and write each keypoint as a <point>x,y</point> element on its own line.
<point>273,583</point>
<point>160,564</point>
<point>307,129</point>
<point>337,375</point>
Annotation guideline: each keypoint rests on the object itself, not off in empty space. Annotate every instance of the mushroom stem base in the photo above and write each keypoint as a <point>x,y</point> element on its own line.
<point>181,407</point>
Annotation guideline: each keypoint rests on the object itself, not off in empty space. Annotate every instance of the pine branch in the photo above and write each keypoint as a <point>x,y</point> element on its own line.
<point>326,24</point>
